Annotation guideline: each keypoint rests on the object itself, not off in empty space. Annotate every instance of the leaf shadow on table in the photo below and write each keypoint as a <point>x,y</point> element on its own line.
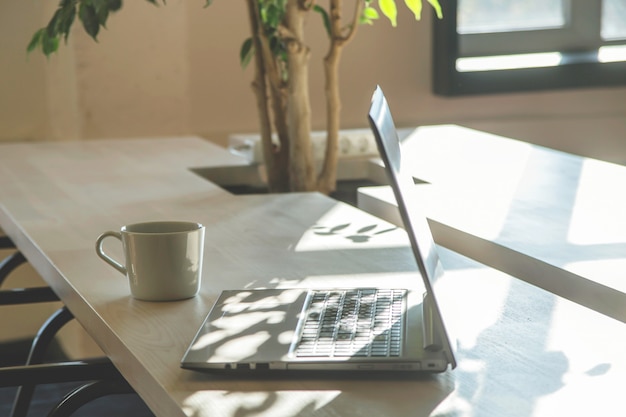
<point>362,235</point>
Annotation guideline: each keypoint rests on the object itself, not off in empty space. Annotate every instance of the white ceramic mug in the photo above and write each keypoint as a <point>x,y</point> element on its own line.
<point>163,260</point>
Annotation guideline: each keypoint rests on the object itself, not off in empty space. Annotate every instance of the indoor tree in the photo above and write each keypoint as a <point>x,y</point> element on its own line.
<point>280,55</point>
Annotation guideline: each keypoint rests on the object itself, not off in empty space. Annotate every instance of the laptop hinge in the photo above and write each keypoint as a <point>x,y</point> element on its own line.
<point>430,328</point>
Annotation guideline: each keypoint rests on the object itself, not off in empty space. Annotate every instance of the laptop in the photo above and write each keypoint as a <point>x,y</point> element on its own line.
<point>336,329</point>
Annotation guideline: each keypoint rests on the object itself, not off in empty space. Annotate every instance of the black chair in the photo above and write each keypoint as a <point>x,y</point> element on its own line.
<point>102,374</point>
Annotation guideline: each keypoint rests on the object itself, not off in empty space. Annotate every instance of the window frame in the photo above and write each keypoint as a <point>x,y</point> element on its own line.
<point>579,67</point>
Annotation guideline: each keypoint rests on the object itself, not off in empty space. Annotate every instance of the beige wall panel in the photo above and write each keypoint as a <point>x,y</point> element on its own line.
<point>133,82</point>
<point>64,118</point>
<point>23,113</point>
<point>221,99</point>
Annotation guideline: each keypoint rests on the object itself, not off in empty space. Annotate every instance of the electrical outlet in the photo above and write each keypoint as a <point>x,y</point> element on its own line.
<point>353,143</point>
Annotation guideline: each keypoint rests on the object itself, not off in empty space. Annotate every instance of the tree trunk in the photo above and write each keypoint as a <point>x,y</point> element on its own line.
<point>276,157</point>
<point>301,164</point>
<point>290,165</point>
<point>327,179</point>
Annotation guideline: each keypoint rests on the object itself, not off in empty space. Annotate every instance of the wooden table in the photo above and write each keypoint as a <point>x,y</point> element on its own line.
<point>553,219</point>
<point>522,351</point>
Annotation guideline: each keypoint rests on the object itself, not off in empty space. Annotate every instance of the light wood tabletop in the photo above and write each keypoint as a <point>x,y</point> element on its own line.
<point>522,351</point>
<point>551,218</point>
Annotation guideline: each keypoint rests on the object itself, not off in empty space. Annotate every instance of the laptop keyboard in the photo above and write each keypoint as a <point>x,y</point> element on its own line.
<point>361,322</point>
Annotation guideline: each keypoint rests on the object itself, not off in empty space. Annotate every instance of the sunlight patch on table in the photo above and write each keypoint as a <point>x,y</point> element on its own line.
<point>438,156</point>
<point>485,217</point>
<point>580,349</point>
<point>598,211</point>
<point>481,313</point>
<point>260,404</point>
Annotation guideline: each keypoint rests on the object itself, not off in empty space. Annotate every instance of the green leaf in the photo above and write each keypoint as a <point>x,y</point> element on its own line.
<point>416,7</point>
<point>325,17</point>
<point>368,15</point>
<point>437,7</point>
<point>49,44</point>
<point>66,24</point>
<point>277,46</point>
<point>208,3</point>
<point>102,12</point>
<point>114,5</point>
<point>53,25</point>
<point>273,16</point>
<point>62,20</point>
<point>104,8</point>
<point>389,9</point>
<point>35,41</point>
<point>246,53</point>
<point>371,13</point>
<point>87,14</point>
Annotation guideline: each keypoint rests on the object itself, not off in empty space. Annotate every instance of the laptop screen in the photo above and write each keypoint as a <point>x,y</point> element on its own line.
<point>411,212</point>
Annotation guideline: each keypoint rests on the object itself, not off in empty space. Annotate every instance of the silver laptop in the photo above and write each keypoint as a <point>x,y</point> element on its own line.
<point>355,329</point>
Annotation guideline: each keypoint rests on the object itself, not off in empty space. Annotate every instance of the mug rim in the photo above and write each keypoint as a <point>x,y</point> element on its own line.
<point>175,226</point>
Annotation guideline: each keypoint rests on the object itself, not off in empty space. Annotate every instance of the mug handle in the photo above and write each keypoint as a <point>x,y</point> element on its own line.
<point>106,258</point>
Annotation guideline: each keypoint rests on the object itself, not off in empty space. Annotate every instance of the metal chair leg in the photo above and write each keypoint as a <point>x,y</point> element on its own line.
<point>59,372</point>
<point>46,334</point>
<point>109,380</point>
<point>9,263</point>
<point>6,243</point>
<point>18,296</point>
<point>38,349</point>
<point>89,392</point>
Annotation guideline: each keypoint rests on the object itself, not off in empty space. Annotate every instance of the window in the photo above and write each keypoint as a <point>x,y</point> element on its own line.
<point>490,46</point>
